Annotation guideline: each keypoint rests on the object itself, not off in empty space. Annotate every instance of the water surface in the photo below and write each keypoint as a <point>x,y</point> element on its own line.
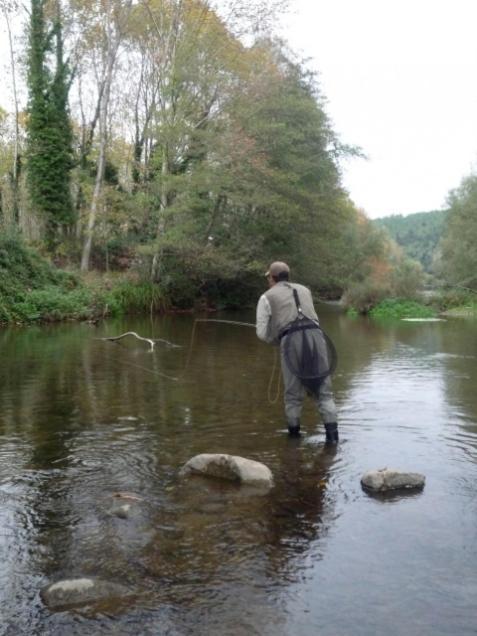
<point>82,419</point>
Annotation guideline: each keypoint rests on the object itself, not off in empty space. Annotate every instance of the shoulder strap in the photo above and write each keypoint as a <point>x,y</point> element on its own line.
<point>297,302</point>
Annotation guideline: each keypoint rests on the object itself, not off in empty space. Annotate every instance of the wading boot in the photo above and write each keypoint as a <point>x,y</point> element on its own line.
<point>294,428</point>
<point>331,433</point>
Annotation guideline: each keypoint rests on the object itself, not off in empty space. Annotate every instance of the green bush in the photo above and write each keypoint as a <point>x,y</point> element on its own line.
<point>31,289</point>
<point>22,267</point>
<point>401,308</point>
<point>52,304</point>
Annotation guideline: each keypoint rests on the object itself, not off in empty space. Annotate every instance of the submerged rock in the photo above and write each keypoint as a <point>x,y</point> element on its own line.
<point>388,479</point>
<point>80,591</point>
<point>127,495</point>
<point>231,467</point>
<point>123,512</point>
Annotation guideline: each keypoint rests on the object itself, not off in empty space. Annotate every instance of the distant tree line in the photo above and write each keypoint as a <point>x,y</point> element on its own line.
<point>443,241</point>
<point>418,234</point>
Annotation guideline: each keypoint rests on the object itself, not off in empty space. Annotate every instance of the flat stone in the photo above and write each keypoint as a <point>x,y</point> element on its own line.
<point>390,479</point>
<point>80,591</point>
<point>229,467</point>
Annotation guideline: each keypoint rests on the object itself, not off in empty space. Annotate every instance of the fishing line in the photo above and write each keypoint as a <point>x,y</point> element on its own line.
<point>271,400</point>
<point>270,382</point>
<point>158,373</point>
<point>194,328</point>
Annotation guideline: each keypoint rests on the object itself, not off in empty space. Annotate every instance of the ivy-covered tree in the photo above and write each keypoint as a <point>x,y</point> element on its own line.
<point>49,134</point>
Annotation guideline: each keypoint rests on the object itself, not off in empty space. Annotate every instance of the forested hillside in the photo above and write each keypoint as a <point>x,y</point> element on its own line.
<point>182,146</point>
<point>418,234</point>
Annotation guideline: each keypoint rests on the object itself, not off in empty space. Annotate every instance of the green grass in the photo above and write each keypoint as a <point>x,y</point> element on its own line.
<point>129,296</point>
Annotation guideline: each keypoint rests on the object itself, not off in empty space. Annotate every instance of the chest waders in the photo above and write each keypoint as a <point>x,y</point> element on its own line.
<point>310,356</point>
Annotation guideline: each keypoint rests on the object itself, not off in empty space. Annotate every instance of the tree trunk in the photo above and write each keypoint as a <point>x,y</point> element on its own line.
<point>103,121</point>
<point>16,155</point>
<point>156,261</point>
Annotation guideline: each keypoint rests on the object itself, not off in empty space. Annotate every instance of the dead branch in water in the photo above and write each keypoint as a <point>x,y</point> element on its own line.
<point>149,340</point>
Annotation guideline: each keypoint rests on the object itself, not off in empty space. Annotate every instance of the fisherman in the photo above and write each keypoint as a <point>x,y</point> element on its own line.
<point>287,309</point>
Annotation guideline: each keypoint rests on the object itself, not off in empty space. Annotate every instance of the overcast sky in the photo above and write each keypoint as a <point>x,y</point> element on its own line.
<point>401,82</point>
<point>400,77</point>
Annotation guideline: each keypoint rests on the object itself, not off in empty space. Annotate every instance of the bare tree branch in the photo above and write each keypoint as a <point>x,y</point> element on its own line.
<point>151,341</point>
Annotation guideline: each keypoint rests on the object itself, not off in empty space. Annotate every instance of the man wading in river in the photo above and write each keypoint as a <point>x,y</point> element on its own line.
<point>286,316</point>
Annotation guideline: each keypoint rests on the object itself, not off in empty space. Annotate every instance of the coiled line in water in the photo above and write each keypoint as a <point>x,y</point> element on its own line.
<point>272,400</point>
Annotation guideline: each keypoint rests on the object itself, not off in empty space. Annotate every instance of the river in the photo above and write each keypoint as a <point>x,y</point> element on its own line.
<point>82,419</point>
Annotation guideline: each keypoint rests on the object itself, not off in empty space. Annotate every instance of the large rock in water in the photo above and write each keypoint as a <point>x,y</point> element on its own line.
<point>80,591</point>
<point>229,467</point>
<point>388,479</point>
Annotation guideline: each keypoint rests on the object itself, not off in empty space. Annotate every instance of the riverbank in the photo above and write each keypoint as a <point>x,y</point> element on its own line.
<point>33,290</point>
<point>462,305</point>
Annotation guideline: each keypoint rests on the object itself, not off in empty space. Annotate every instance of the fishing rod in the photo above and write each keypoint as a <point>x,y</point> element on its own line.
<point>226,322</point>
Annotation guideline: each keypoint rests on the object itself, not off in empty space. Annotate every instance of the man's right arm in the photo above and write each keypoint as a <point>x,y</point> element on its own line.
<point>264,315</point>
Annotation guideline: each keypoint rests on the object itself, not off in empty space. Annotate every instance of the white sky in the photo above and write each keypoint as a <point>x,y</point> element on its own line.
<point>400,77</point>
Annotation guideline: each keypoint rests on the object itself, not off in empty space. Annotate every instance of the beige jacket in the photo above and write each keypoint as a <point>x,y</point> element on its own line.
<point>276,309</point>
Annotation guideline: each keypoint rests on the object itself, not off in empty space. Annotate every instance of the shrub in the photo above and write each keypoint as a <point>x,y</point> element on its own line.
<point>455,297</point>
<point>52,304</point>
<point>363,296</point>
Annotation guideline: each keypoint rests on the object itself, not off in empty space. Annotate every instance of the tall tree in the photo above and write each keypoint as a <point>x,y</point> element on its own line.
<point>109,23</point>
<point>49,135</point>
<point>458,259</point>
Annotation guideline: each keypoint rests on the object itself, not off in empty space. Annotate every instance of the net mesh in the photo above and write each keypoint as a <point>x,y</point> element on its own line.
<point>309,353</point>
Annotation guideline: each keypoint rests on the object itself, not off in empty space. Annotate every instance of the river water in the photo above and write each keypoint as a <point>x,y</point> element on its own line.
<point>83,419</point>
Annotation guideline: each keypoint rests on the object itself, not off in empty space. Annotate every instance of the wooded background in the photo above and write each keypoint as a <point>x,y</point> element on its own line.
<point>185,144</point>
